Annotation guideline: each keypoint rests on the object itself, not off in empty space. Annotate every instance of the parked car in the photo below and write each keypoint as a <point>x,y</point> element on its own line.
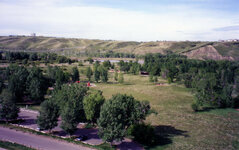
<point>81,138</point>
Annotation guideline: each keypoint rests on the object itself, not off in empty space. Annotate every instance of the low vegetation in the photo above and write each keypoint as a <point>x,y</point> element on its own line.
<point>13,146</point>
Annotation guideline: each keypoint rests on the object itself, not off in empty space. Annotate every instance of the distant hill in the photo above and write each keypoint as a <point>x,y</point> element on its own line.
<point>72,46</point>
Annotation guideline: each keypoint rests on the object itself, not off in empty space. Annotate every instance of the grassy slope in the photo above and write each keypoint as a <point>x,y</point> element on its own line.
<point>72,46</point>
<point>13,146</point>
<point>178,125</point>
<point>228,48</point>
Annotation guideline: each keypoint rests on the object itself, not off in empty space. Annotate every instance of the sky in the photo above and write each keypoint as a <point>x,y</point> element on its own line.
<point>126,20</point>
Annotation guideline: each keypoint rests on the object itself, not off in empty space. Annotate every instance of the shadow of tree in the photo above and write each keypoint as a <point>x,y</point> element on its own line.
<point>164,135</point>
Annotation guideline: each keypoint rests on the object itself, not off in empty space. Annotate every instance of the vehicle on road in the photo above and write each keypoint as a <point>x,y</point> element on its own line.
<point>81,138</point>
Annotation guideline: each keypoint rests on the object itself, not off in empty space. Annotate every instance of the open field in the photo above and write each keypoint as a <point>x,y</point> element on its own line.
<point>178,125</point>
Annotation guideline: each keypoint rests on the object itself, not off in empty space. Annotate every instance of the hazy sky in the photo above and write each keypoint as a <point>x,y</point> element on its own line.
<point>136,20</point>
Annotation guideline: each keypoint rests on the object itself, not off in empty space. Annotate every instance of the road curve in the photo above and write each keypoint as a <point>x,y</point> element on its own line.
<point>37,141</point>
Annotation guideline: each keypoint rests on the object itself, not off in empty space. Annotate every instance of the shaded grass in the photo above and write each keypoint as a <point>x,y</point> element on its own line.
<point>13,146</point>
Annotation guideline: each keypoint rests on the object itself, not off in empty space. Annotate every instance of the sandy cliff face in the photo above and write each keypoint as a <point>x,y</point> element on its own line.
<point>207,52</point>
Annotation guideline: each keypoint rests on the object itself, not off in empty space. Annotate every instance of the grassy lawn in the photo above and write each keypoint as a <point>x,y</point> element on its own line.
<point>176,123</point>
<point>13,146</point>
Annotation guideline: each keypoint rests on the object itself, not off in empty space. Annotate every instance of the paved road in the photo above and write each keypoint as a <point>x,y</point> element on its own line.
<point>37,141</point>
<point>30,116</point>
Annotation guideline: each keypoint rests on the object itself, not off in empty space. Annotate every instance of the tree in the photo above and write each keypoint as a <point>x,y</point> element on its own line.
<point>48,117</point>
<point>103,73</point>
<point>75,74</point>
<point>151,77</point>
<point>97,74</point>
<point>1,85</point>
<point>60,78</point>
<point>92,104</point>
<point>107,64</point>
<point>90,60</point>
<point>116,75</point>
<point>121,78</point>
<point>143,133</point>
<point>36,84</point>
<point>17,81</point>
<point>72,94</point>
<point>8,108</point>
<point>155,79</point>
<point>117,114</point>
<point>89,73</point>
<point>69,118</point>
<point>35,90</point>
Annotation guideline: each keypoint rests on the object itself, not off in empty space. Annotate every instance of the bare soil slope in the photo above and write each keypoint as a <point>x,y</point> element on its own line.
<point>207,52</point>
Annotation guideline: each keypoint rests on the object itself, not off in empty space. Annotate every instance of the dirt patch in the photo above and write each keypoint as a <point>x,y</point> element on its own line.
<point>207,52</point>
<point>162,84</point>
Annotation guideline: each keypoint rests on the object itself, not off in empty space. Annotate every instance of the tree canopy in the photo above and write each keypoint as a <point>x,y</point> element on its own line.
<point>48,116</point>
<point>92,104</point>
<point>117,114</point>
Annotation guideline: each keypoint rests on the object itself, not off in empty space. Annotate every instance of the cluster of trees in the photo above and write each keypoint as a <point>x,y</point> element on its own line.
<point>109,54</point>
<point>76,103</point>
<point>130,67</point>
<point>25,57</point>
<point>26,82</point>
<point>30,83</point>
<point>99,71</point>
<point>213,82</point>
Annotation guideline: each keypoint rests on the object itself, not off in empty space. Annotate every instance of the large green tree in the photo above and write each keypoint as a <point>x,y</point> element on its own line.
<point>89,73</point>
<point>8,108</point>
<point>17,80</point>
<point>117,114</point>
<point>49,114</point>
<point>36,84</point>
<point>103,73</point>
<point>75,74</point>
<point>96,74</point>
<point>69,117</point>
<point>92,104</point>
<point>71,93</point>
<point>70,101</point>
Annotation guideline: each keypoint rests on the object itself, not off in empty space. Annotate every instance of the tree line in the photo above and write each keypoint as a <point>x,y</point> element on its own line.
<point>32,56</point>
<point>109,54</point>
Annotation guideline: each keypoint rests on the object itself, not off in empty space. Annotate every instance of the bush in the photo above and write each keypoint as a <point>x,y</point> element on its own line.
<point>195,107</point>
<point>80,63</point>
<point>143,133</point>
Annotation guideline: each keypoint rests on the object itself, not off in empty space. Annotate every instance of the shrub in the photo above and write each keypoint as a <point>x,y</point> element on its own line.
<point>195,107</point>
<point>143,133</point>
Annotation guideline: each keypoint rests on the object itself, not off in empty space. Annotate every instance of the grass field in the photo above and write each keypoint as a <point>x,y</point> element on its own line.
<point>13,146</point>
<point>176,123</point>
